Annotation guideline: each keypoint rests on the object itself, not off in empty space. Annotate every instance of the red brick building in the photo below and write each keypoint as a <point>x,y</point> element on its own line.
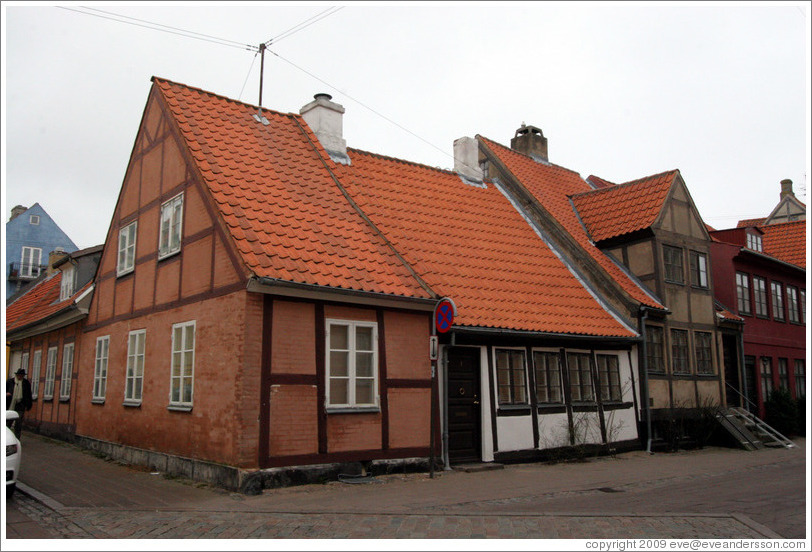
<point>760,270</point>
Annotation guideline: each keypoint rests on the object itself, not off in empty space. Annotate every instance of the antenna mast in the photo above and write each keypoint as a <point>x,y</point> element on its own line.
<point>258,115</point>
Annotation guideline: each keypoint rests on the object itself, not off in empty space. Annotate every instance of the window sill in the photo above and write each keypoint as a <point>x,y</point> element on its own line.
<point>132,404</point>
<point>672,282</point>
<point>125,273</point>
<point>167,256</point>
<point>551,408</point>
<point>64,399</point>
<point>514,410</point>
<point>96,401</point>
<point>353,410</point>
<point>179,408</point>
<point>617,405</point>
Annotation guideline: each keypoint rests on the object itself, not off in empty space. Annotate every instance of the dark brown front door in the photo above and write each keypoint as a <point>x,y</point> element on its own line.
<point>464,428</point>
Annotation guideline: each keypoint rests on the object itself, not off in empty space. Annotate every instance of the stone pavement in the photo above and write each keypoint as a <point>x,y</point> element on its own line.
<point>69,493</point>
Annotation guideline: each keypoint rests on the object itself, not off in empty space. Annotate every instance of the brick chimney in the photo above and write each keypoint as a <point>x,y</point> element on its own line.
<point>786,188</point>
<point>466,159</point>
<point>17,211</point>
<point>326,120</point>
<point>53,257</point>
<point>529,140</point>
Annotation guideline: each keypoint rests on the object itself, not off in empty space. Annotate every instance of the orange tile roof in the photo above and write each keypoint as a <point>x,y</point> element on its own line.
<point>625,208</point>
<point>552,186</point>
<point>286,215</point>
<point>598,182</point>
<point>786,241</point>
<point>39,303</point>
<point>751,222</point>
<point>471,244</point>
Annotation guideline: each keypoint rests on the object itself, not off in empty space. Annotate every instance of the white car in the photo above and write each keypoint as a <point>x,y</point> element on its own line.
<point>13,452</point>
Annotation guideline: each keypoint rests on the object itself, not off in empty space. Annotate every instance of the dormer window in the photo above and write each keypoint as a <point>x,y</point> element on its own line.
<point>68,285</point>
<point>754,242</point>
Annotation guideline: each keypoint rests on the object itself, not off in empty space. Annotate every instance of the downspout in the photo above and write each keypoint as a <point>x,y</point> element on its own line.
<point>644,397</point>
<point>743,373</point>
<point>444,368</point>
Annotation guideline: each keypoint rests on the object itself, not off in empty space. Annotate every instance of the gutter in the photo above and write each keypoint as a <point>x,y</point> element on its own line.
<point>285,288</point>
<point>499,332</point>
<point>769,258</point>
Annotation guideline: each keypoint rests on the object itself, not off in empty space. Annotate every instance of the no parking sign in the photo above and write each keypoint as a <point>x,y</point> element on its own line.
<point>444,314</point>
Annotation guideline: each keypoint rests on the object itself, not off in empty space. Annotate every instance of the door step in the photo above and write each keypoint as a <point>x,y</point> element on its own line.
<point>478,467</point>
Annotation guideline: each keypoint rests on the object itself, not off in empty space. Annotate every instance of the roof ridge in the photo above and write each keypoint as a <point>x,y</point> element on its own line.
<point>548,163</point>
<point>450,172</point>
<point>624,184</point>
<point>222,97</point>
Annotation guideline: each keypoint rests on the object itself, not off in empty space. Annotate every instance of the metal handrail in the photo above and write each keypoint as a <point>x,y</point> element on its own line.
<point>755,406</point>
<point>765,427</point>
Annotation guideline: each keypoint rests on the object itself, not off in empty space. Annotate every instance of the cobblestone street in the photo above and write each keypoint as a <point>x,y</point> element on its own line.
<point>707,494</point>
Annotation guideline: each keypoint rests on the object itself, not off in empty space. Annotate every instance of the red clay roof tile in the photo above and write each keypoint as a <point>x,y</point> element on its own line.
<point>786,241</point>
<point>552,186</point>
<point>470,243</point>
<point>262,176</point>
<point>40,302</point>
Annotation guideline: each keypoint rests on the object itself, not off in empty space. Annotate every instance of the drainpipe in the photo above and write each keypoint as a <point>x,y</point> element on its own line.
<point>743,373</point>
<point>444,368</point>
<point>644,379</point>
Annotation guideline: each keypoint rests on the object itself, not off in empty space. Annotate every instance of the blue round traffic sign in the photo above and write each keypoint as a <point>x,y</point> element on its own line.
<point>444,316</point>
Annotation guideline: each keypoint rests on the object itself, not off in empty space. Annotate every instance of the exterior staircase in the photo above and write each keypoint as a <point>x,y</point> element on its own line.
<point>750,432</point>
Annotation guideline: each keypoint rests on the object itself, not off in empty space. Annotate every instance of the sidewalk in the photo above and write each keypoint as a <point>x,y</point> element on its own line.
<point>106,499</point>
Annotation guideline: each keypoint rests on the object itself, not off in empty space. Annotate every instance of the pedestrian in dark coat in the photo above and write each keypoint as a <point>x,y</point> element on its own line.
<point>18,398</point>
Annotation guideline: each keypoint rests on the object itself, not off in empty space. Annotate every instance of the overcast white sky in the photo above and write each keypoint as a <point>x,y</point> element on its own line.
<point>622,91</point>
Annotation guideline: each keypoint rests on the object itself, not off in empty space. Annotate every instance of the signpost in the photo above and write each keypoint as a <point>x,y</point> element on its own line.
<point>444,313</point>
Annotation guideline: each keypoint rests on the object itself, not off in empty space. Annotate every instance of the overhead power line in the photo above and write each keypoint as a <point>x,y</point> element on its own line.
<point>163,28</point>
<point>304,24</point>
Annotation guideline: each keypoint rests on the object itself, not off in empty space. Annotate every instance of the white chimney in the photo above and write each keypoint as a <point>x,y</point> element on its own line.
<point>466,159</point>
<point>326,120</point>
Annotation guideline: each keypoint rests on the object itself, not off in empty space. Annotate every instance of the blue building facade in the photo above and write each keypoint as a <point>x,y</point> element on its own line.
<point>31,235</point>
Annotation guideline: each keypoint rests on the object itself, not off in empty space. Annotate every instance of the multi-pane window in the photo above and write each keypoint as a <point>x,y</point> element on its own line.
<point>67,371</point>
<point>548,377</point>
<point>743,292</point>
<point>679,352</point>
<point>580,373</point>
<point>609,378</point>
<point>100,371</point>
<point>754,242</point>
<point>760,296</point>
<point>352,364</point>
<point>36,365</point>
<point>34,220</point>
<point>699,269</point>
<point>655,353</point>
<point>766,377</point>
<point>50,374</point>
<point>171,223</point>
<point>181,386</point>
<point>510,377</point>
<point>800,379</point>
<point>126,248</point>
<point>672,257</point>
<point>704,355</point>
<point>134,385</point>
<point>783,374</point>
<point>803,306</point>
<point>777,295</point>
<point>793,307</point>
<point>68,284</point>
<point>31,261</point>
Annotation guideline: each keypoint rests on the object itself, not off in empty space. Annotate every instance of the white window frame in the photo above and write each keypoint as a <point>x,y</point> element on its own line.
<point>127,238</point>
<point>34,220</point>
<point>134,378</point>
<point>27,269</point>
<point>180,352</point>
<point>36,366</point>
<point>754,242</point>
<point>100,368</point>
<point>698,262</point>
<point>50,373</point>
<point>67,371</point>
<point>24,362</point>
<point>170,234</point>
<point>512,385</point>
<point>68,285</point>
<point>352,355</point>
